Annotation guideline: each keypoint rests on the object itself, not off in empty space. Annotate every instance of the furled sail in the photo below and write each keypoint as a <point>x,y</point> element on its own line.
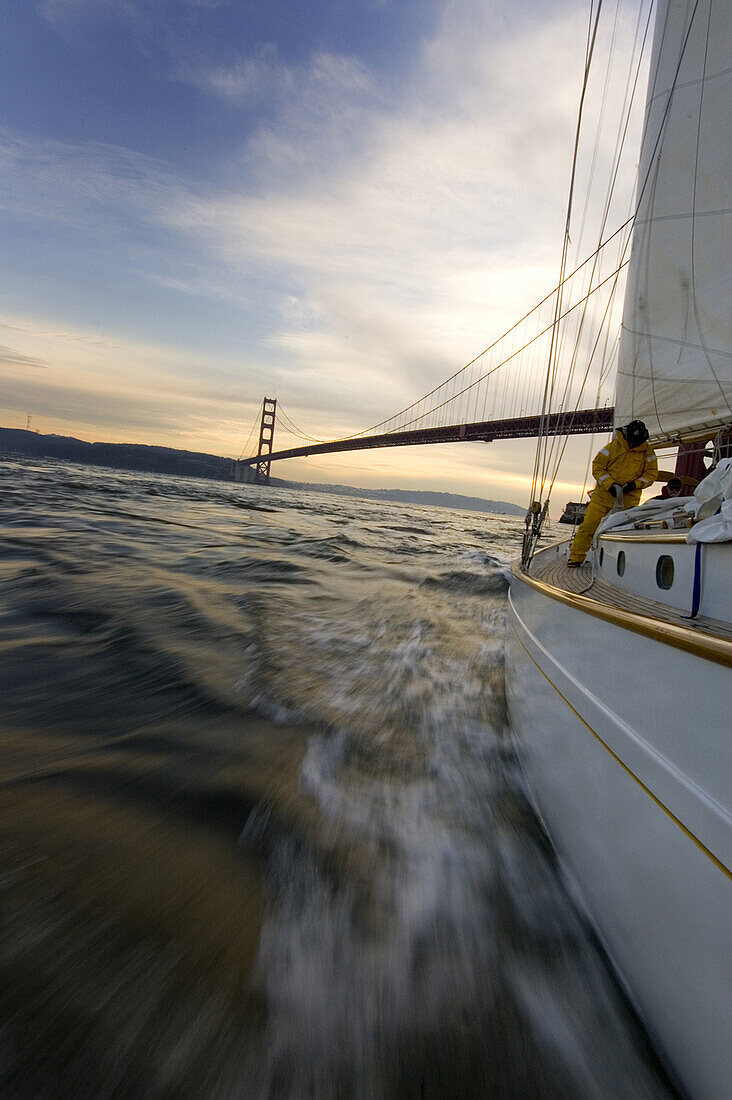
<point>675,368</point>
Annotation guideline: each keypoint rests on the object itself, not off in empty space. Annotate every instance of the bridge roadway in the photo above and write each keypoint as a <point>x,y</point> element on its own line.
<point>583,422</point>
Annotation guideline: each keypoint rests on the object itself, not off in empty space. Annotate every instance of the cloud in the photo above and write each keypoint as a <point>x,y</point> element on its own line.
<point>248,78</point>
<point>325,79</point>
<point>382,235</point>
<point>135,390</point>
<point>90,185</point>
<point>11,358</point>
<point>69,14</point>
<point>419,240</point>
<point>170,35</point>
<point>129,12</point>
<point>101,386</point>
<point>430,229</point>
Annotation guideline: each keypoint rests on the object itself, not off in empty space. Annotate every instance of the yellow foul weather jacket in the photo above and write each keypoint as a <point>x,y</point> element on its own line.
<point>617,462</point>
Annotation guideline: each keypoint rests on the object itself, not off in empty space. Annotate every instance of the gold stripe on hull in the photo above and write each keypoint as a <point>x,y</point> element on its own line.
<point>669,813</point>
<point>698,642</point>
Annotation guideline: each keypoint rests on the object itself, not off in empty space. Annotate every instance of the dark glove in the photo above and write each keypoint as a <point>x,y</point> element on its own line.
<point>615,485</point>
<point>629,486</point>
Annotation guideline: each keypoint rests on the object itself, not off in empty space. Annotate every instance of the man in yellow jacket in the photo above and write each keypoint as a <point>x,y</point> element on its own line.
<point>627,462</point>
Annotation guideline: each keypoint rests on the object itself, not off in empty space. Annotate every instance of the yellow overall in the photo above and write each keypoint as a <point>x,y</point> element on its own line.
<point>615,463</point>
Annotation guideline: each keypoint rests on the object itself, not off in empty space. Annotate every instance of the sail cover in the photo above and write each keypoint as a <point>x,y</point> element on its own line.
<point>675,367</point>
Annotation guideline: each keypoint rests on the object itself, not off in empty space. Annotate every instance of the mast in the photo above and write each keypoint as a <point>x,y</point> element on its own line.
<point>675,367</point>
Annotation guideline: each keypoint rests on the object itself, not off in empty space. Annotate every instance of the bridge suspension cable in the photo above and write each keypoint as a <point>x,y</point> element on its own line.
<point>255,422</point>
<point>458,398</point>
<point>509,383</point>
<point>293,428</point>
<point>509,379</point>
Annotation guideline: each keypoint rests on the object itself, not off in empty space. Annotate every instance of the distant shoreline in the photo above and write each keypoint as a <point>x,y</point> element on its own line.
<point>412,496</point>
<point>167,460</point>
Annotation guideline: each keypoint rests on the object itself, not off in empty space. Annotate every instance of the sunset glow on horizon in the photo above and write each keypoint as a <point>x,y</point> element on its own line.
<point>339,208</point>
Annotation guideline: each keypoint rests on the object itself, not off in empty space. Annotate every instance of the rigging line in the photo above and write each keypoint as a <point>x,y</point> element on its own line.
<point>251,433</point>
<point>591,446</point>
<point>554,443</point>
<point>609,363</point>
<point>697,317</point>
<point>498,339</point>
<point>455,394</point>
<point>570,376</point>
<point>658,139</point>
<point>620,145</point>
<point>552,364</point>
<point>599,124</point>
<point>560,456</point>
<point>650,97</point>
<point>623,133</point>
<point>528,344</point>
<point>626,109</point>
<point>590,449</point>
<point>548,327</point>
<point>591,357</point>
<point>603,361</point>
<point>549,451</point>
<point>551,445</point>
<point>584,380</point>
<point>421,400</point>
<point>552,449</point>
<point>588,54</point>
<point>646,255</point>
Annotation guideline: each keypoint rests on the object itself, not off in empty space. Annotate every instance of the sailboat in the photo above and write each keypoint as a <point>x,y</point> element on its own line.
<point>618,673</point>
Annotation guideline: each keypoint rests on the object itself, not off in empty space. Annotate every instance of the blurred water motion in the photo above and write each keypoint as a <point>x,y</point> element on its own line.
<point>263,829</point>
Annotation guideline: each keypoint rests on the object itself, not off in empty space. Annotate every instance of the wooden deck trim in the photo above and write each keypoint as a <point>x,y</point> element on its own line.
<point>700,643</point>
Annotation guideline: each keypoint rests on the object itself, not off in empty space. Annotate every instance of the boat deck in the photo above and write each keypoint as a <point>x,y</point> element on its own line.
<point>550,567</point>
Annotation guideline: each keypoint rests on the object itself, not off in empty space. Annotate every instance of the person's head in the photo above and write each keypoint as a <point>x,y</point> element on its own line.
<point>674,487</point>
<point>635,433</point>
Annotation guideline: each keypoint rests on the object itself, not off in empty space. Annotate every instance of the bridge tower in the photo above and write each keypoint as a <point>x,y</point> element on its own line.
<point>266,439</point>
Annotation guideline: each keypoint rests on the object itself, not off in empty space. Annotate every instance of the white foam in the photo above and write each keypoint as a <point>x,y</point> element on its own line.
<point>414,782</point>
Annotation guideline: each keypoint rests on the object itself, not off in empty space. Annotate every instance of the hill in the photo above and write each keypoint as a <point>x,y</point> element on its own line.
<point>413,496</point>
<point>167,460</point>
<point>123,456</point>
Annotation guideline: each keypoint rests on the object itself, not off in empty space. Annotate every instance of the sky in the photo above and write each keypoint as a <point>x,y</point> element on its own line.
<point>336,203</point>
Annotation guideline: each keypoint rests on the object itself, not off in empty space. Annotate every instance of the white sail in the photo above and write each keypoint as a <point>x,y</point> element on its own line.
<point>675,369</point>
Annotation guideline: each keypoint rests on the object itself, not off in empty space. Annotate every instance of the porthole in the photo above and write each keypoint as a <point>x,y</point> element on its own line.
<point>665,571</point>
<point>602,554</point>
<point>620,566</point>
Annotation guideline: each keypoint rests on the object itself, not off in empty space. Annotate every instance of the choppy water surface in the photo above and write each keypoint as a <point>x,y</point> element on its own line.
<point>263,828</point>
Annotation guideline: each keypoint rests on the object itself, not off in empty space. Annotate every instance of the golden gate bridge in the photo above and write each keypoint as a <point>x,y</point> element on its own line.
<point>583,422</point>
<point>533,381</point>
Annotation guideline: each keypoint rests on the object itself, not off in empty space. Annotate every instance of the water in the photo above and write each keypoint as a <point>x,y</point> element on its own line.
<point>263,827</point>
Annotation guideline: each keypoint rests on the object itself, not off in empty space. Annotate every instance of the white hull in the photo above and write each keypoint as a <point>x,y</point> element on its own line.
<point>625,744</point>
